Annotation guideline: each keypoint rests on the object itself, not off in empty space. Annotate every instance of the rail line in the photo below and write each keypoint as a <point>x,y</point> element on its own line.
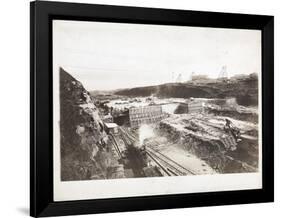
<point>116,146</point>
<point>131,137</point>
<point>166,171</point>
<point>126,140</point>
<point>170,164</point>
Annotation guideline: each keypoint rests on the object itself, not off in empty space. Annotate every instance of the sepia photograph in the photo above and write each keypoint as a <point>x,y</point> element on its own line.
<point>140,101</point>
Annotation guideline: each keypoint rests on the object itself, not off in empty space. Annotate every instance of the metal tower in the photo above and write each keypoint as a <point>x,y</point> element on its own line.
<point>179,78</point>
<point>223,73</point>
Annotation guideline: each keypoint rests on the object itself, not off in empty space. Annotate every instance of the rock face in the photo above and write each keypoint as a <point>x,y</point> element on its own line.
<point>83,139</point>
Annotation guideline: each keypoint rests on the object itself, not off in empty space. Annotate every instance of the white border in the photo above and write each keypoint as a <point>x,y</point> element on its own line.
<point>98,189</point>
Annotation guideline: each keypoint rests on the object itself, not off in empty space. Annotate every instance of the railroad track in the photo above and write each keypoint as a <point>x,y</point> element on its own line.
<point>125,140</point>
<point>131,137</point>
<point>169,166</point>
<point>116,146</point>
<point>164,162</point>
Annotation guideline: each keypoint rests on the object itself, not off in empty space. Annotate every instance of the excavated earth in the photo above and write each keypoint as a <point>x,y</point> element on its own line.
<point>203,135</point>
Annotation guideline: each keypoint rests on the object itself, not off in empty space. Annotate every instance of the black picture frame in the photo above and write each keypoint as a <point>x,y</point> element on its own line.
<point>41,151</point>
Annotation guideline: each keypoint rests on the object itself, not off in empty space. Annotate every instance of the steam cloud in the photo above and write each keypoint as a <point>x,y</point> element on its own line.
<point>145,131</point>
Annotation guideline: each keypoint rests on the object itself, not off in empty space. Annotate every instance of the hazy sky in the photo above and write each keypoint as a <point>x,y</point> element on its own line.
<point>106,56</point>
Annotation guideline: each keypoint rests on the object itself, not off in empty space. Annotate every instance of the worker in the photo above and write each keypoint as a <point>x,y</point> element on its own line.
<point>230,128</point>
<point>227,124</point>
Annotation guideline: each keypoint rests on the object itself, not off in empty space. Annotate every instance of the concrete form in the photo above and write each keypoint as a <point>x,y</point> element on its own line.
<point>145,115</point>
<point>196,107</point>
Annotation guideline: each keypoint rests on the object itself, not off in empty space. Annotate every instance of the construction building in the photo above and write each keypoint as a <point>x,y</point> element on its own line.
<point>145,115</point>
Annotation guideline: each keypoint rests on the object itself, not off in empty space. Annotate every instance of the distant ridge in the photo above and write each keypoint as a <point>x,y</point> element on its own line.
<point>245,89</point>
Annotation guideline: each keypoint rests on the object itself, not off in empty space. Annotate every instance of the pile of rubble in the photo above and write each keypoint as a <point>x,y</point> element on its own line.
<point>210,139</point>
<point>237,111</point>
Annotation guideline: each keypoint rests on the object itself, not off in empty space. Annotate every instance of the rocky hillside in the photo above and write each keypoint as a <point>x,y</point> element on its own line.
<point>245,90</point>
<point>83,139</point>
